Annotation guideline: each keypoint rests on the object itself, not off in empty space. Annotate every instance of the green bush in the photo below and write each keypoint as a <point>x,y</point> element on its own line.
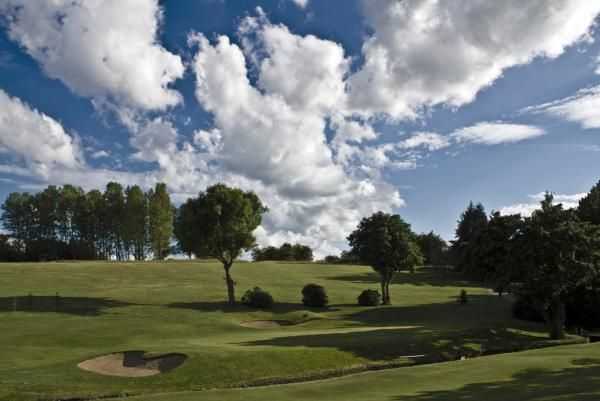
<point>369,298</point>
<point>463,298</point>
<point>258,298</point>
<point>314,295</point>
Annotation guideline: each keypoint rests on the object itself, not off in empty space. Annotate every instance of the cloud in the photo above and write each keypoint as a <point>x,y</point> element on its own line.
<point>301,3</point>
<point>100,154</point>
<point>270,135</point>
<point>494,133</point>
<point>428,140</point>
<point>569,201</point>
<point>583,108</point>
<point>98,49</point>
<point>37,139</point>
<point>428,52</point>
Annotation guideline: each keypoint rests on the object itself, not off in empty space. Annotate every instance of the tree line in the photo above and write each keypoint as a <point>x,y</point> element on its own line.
<point>550,260</point>
<point>61,223</point>
<point>287,251</point>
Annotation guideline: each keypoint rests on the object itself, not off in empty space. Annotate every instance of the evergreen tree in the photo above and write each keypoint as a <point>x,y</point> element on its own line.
<point>136,222</point>
<point>160,219</point>
<point>471,224</point>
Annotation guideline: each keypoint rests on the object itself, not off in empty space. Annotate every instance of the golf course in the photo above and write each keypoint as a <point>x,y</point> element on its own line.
<point>65,325</point>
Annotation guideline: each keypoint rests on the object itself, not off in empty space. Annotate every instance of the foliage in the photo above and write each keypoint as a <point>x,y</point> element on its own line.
<point>68,223</point>
<point>557,253</point>
<point>160,220</point>
<point>314,295</point>
<point>369,298</point>
<point>287,251</point>
<point>463,297</point>
<point>220,222</point>
<point>589,206</point>
<point>386,243</point>
<point>257,298</point>
<point>494,253</point>
<point>433,248</point>
<point>471,224</point>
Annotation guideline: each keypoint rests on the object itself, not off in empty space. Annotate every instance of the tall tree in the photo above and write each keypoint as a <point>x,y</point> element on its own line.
<point>557,254</point>
<point>114,218</point>
<point>433,248</point>
<point>471,224</point>
<point>224,221</point>
<point>160,219</point>
<point>185,228</point>
<point>589,206</point>
<point>387,244</point>
<point>136,222</point>
<point>495,251</point>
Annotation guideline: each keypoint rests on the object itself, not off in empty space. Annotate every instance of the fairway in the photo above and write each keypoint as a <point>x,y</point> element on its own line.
<point>179,307</point>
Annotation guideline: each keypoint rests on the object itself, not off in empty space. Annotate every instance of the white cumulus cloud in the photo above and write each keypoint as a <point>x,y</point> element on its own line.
<point>428,52</point>
<point>104,50</point>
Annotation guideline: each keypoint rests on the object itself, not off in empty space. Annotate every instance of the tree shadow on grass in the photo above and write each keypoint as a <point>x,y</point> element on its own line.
<point>430,345</point>
<point>225,307</point>
<point>82,306</point>
<point>481,310</point>
<point>423,276</point>
<point>572,384</point>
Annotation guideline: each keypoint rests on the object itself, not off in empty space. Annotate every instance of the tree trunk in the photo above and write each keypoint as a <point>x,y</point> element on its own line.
<point>230,284</point>
<point>385,291</point>
<point>556,319</point>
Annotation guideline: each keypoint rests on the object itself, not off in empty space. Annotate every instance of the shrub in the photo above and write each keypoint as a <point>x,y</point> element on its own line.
<point>257,298</point>
<point>314,295</point>
<point>369,298</point>
<point>463,298</point>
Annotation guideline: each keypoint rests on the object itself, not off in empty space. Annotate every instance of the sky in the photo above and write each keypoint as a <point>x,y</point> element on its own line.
<point>330,110</point>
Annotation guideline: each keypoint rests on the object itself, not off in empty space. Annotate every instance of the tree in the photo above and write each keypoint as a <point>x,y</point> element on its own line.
<point>494,250</point>
<point>471,224</point>
<point>160,217</point>
<point>433,248</point>
<point>387,244</point>
<point>184,228</point>
<point>557,253</point>
<point>135,222</point>
<point>224,219</point>
<point>303,253</point>
<point>114,218</point>
<point>589,206</point>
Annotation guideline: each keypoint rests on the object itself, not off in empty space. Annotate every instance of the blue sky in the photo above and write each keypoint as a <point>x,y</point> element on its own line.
<point>328,109</point>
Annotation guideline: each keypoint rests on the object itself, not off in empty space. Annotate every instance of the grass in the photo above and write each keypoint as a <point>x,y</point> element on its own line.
<point>179,307</point>
<point>567,373</point>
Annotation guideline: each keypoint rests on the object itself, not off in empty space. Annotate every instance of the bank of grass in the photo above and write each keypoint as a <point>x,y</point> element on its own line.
<point>179,307</point>
<point>566,373</point>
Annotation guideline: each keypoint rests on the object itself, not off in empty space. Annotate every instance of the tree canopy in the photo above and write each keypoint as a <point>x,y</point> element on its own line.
<point>387,244</point>
<point>557,253</point>
<point>219,223</point>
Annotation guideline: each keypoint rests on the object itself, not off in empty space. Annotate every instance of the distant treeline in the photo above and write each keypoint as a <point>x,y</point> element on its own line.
<point>287,251</point>
<point>61,223</point>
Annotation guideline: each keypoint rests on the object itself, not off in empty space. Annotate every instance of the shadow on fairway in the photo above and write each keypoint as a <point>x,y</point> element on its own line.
<point>225,307</point>
<point>480,311</point>
<point>576,384</point>
<point>434,344</point>
<point>424,276</point>
<point>52,304</point>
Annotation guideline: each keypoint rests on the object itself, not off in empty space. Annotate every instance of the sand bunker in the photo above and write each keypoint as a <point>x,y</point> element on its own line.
<point>266,324</point>
<point>133,364</point>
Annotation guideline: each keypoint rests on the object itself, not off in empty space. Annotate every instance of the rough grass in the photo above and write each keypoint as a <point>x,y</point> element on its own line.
<point>178,307</point>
